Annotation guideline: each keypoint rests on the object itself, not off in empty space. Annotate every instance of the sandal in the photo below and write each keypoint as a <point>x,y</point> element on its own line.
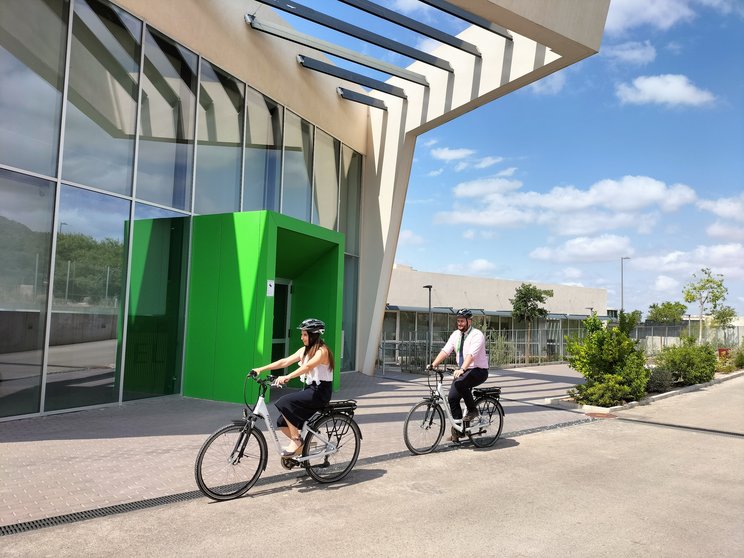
<point>291,452</point>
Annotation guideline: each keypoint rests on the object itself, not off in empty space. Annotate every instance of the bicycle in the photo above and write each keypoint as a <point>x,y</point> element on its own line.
<point>232,459</point>
<point>424,425</point>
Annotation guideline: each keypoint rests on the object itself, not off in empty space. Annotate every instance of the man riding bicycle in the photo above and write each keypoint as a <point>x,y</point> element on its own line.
<point>472,362</point>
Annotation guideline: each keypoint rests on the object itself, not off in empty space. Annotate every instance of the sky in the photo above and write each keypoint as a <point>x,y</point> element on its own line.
<point>636,152</point>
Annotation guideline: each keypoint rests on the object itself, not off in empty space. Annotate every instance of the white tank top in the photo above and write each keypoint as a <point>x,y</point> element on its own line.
<point>321,373</point>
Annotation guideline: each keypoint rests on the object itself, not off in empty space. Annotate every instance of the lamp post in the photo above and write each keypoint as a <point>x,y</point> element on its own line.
<point>622,260</point>
<point>428,337</point>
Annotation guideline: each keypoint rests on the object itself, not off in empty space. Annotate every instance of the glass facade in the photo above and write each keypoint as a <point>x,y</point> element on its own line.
<point>150,134</point>
<point>297,166</point>
<point>262,174</point>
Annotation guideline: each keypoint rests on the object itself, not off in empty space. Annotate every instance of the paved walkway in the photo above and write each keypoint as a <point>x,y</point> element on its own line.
<point>658,481</point>
<point>86,460</point>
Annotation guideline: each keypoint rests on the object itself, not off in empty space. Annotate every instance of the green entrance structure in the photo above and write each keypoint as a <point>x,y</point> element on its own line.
<point>254,276</point>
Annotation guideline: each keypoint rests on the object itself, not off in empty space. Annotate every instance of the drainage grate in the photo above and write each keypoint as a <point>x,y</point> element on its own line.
<point>99,512</point>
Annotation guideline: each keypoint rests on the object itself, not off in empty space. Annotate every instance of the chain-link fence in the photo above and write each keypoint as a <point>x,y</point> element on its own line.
<point>520,347</point>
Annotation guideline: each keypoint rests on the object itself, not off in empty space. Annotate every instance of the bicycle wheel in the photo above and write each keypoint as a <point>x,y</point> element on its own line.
<point>230,462</point>
<point>491,422</point>
<point>424,427</point>
<point>340,431</point>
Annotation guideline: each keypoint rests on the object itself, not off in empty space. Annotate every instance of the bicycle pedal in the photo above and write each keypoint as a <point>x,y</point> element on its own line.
<point>288,463</point>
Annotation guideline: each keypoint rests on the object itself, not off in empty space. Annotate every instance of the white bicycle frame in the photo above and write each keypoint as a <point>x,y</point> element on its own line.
<point>458,424</point>
<point>262,410</point>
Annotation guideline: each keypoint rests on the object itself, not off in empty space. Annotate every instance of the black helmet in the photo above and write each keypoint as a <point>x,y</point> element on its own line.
<point>312,325</point>
<point>464,313</point>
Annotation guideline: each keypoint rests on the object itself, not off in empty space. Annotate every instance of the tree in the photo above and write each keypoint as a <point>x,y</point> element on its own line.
<point>724,316</point>
<point>666,313</point>
<point>526,306</point>
<point>708,291</point>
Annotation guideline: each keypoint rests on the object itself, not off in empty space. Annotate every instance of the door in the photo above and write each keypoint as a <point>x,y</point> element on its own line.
<point>280,333</point>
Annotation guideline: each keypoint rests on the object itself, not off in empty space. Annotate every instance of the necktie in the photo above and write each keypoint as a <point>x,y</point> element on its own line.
<point>460,356</point>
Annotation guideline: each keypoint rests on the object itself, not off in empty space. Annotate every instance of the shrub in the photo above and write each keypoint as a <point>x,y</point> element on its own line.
<point>739,358</point>
<point>689,363</point>
<point>500,351</point>
<point>612,364</point>
<point>661,380</point>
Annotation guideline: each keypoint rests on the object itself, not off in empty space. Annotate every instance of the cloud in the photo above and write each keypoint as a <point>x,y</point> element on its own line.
<point>429,143</point>
<point>487,162</point>
<point>571,273</point>
<point>485,187</point>
<point>508,217</point>
<point>724,231</point>
<point>507,172</point>
<point>728,208</point>
<point>726,259</point>
<point>625,15</point>
<point>409,238</point>
<point>447,154</point>
<point>481,265</point>
<point>550,85</point>
<point>461,166</point>
<point>666,283</point>
<point>634,202</point>
<point>660,14</point>
<point>435,172</point>
<point>586,249</point>
<point>633,52</point>
<point>669,89</point>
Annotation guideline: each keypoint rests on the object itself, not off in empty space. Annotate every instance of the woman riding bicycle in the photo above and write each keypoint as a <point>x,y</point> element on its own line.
<point>472,365</point>
<point>316,371</point>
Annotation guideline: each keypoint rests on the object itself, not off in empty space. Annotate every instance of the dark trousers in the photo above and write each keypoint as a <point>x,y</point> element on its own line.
<point>461,390</point>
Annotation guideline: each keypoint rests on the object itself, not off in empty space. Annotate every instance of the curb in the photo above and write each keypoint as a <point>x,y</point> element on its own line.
<point>568,403</point>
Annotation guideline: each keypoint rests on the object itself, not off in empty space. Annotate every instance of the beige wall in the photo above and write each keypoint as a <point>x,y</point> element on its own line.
<point>457,291</point>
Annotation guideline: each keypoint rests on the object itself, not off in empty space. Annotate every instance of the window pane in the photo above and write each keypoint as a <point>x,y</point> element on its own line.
<point>167,116</point>
<point>325,194</point>
<point>88,281</point>
<point>263,155</point>
<point>350,192</point>
<point>32,50</point>
<point>26,206</point>
<point>220,142</point>
<point>298,163</point>
<point>156,303</point>
<point>102,97</point>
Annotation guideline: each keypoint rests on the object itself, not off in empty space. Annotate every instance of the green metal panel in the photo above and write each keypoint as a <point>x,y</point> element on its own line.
<point>230,315</point>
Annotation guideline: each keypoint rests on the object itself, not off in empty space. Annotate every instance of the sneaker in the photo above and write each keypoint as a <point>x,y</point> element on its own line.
<point>472,415</point>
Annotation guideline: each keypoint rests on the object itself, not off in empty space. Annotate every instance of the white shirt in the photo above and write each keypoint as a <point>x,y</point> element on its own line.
<point>475,344</point>
<point>321,373</point>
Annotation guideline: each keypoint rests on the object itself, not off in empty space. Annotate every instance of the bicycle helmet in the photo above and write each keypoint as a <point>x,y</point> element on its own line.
<point>464,313</point>
<point>312,325</point>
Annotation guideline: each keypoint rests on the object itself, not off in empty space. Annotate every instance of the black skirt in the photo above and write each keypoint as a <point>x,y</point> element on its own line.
<point>299,406</point>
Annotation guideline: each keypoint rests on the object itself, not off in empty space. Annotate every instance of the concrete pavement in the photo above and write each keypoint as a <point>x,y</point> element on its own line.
<point>663,480</point>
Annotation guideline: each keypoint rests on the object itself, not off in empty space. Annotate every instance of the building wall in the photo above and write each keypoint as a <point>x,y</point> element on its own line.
<point>487,294</point>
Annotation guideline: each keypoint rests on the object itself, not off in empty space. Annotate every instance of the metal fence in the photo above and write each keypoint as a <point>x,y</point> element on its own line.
<point>514,347</point>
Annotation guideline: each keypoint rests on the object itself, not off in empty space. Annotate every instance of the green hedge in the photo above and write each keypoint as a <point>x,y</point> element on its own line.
<point>688,363</point>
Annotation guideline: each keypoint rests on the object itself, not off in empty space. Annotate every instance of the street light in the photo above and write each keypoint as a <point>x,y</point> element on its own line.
<point>428,339</point>
<point>622,259</point>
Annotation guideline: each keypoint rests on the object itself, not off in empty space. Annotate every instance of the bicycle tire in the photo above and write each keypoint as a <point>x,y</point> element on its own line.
<point>424,423</point>
<point>492,413</point>
<point>217,476</point>
<point>340,430</point>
